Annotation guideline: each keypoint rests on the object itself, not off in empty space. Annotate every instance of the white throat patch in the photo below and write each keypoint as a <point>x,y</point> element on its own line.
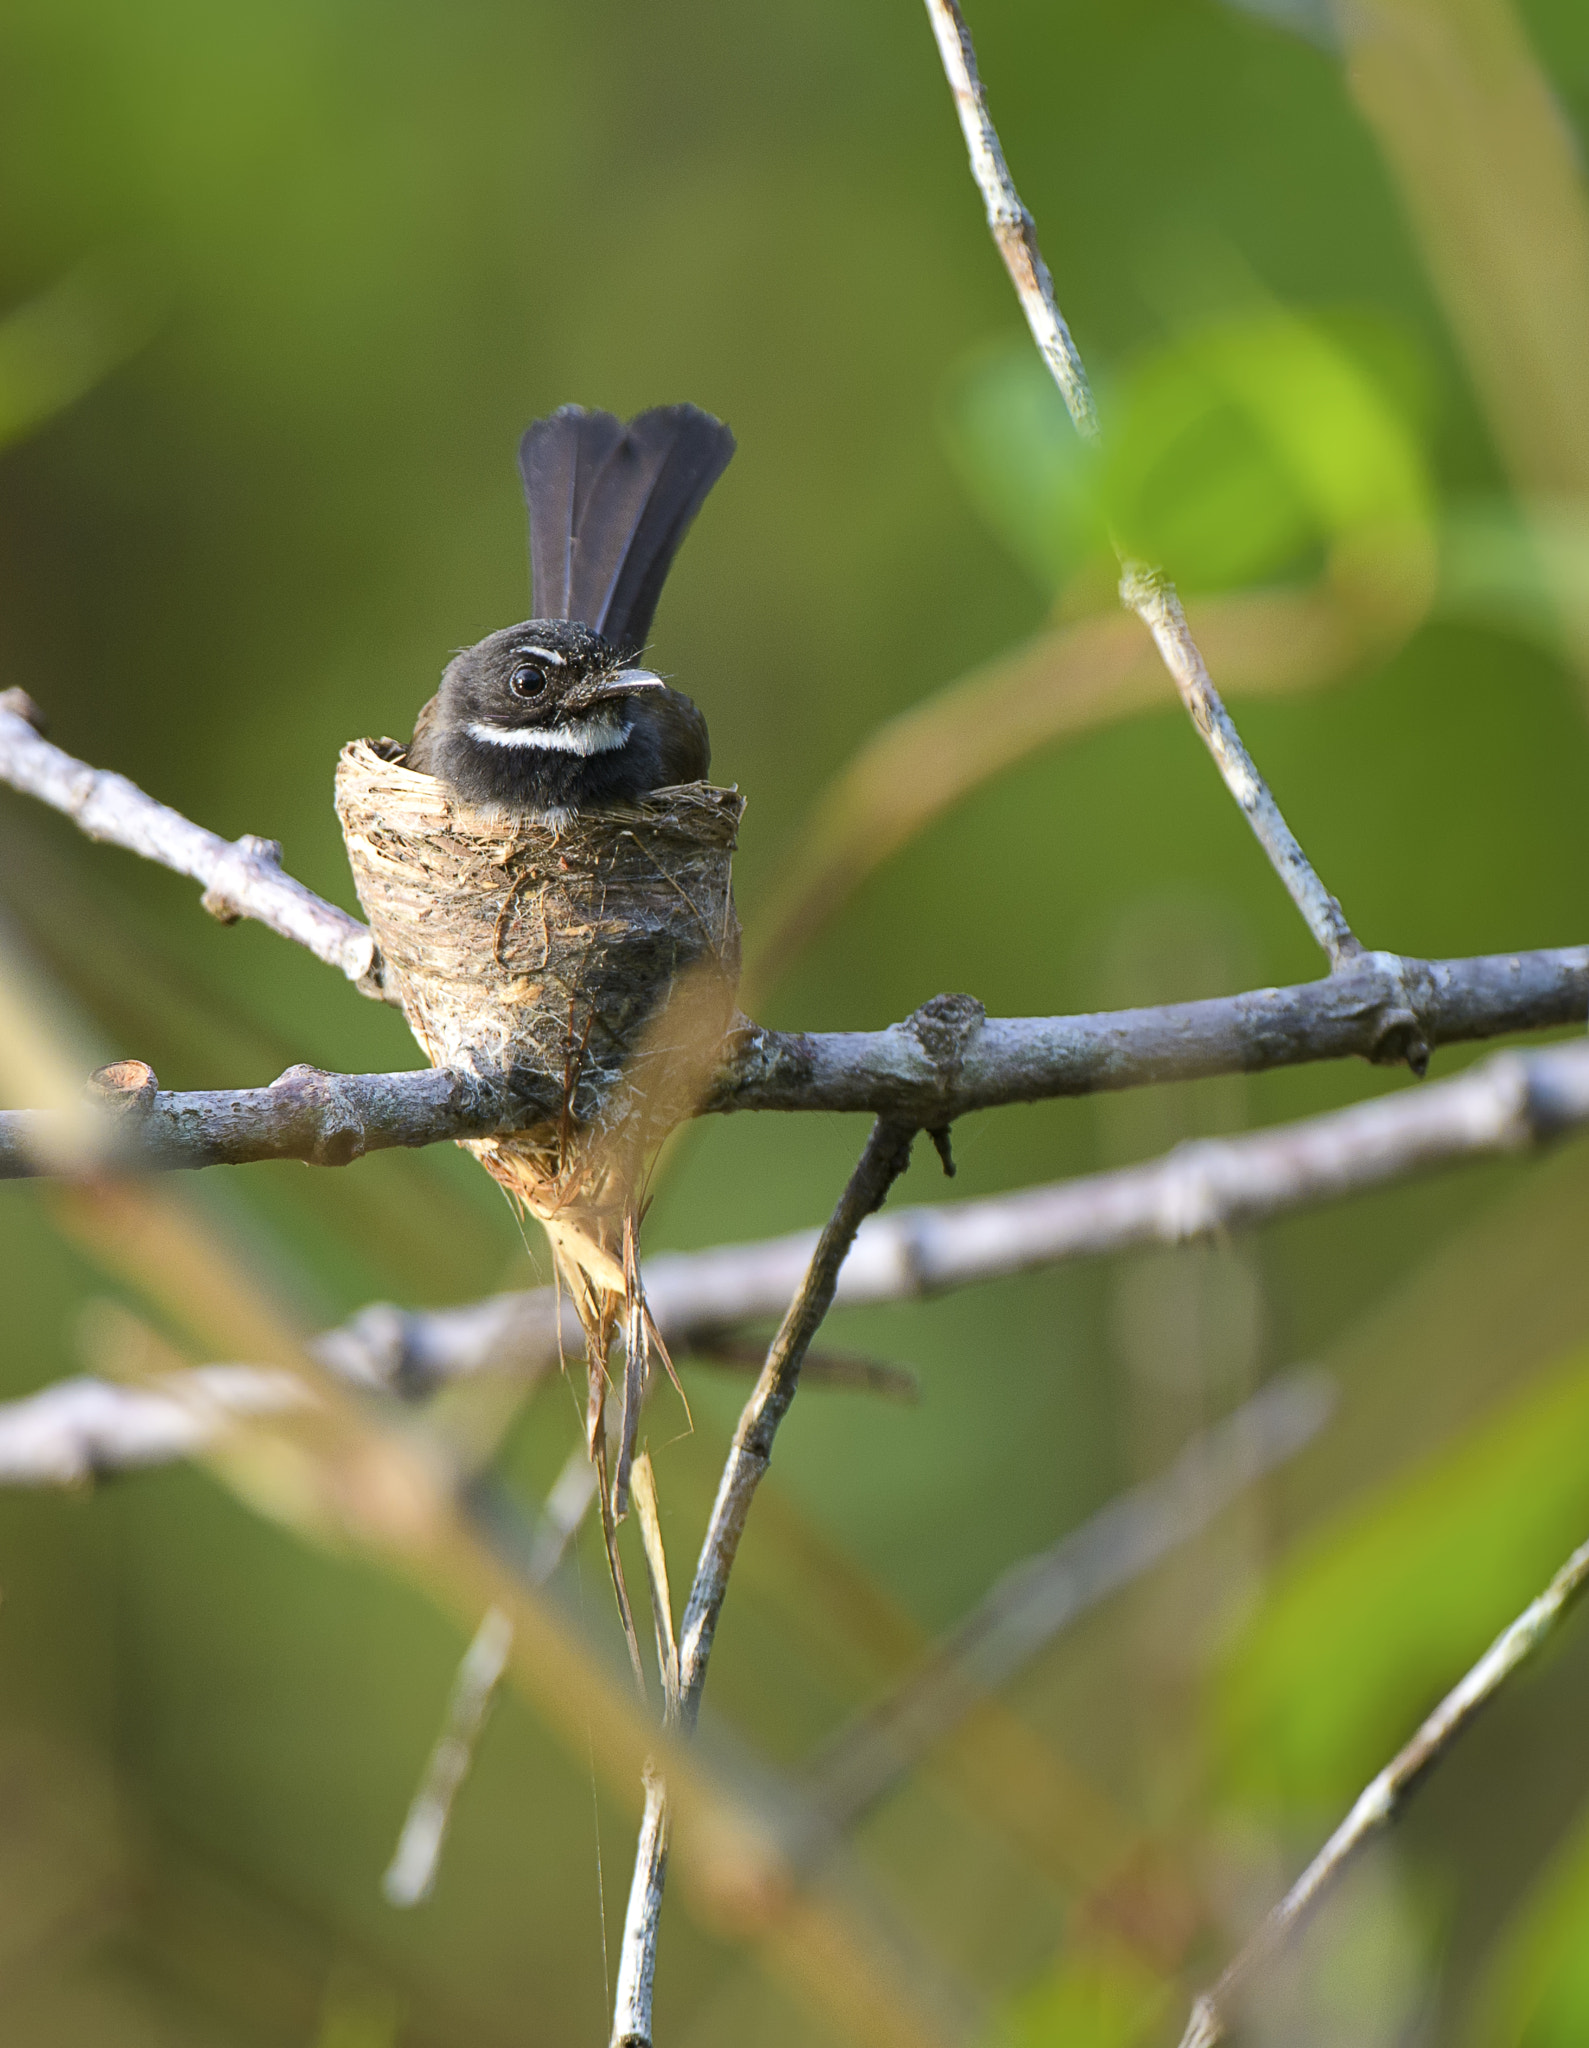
<point>590,736</point>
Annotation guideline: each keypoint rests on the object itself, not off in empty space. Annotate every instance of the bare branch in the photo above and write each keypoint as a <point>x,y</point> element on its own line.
<point>926,1070</point>
<point>1150,594</point>
<point>1380,1803</point>
<point>242,878</point>
<point>885,1158</point>
<point>1382,1008</point>
<point>849,1369</point>
<point>1146,590</point>
<point>637,1955</point>
<point>322,1119</point>
<point>1042,1595</point>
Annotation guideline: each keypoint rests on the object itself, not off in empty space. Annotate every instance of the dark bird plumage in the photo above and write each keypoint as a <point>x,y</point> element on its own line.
<point>550,716</point>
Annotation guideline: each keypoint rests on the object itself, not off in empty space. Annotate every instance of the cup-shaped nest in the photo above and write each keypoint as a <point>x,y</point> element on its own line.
<point>598,959</point>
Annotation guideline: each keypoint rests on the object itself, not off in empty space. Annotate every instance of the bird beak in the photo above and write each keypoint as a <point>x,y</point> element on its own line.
<point>628,682</point>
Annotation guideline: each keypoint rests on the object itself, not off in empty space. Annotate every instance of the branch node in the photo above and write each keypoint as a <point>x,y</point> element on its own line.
<point>944,1028</point>
<point>332,1111</point>
<point>1404,1035</point>
<point>242,863</point>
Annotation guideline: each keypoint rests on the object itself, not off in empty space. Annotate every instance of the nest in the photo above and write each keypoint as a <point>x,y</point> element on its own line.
<point>597,962</point>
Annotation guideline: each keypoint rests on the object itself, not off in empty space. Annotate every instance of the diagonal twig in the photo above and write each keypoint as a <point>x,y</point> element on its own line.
<point>1146,590</point>
<point>411,1875</point>
<point>1379,1804</point>
<point>886,1155</point>
<point>242,878</point>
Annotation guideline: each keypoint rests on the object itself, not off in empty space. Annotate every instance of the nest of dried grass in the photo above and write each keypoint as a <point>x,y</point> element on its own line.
<point>599,960</point>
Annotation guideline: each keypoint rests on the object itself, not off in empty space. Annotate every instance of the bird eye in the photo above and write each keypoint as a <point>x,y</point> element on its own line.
<point>527,680</point>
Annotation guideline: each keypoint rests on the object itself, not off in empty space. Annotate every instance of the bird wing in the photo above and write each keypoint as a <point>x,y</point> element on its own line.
<point>419,754</point>
<point>609,506</point>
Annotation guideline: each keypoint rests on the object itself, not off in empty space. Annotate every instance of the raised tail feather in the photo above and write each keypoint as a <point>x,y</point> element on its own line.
<point>609,505</point>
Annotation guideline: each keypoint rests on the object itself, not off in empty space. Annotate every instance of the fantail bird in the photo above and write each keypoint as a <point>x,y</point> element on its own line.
<point>551,716</point>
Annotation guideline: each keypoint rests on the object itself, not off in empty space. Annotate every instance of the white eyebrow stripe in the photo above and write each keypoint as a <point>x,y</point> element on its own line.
<point>544,654</point>
<point>594,736</point>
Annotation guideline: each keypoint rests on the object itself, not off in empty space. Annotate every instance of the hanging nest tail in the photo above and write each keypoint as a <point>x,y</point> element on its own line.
<point>600,960</point>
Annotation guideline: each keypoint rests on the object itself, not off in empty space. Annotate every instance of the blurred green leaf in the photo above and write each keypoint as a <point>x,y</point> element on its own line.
<point>359,2015</point>
<point>61,344</point>
<point>1374,1619</point>
<point>1242,449</point>
<point>1022,463</point>
<point>1250,445</point>
<point>1535,1989</point>
<point>1525,569</point>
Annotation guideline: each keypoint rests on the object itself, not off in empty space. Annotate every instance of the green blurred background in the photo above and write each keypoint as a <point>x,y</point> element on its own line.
<point>280,285</point>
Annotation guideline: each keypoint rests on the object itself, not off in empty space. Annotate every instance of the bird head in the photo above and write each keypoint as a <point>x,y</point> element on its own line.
<point>548,683</point>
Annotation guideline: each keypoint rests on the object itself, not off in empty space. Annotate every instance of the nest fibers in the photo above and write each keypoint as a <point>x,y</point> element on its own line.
<point>598,959</point>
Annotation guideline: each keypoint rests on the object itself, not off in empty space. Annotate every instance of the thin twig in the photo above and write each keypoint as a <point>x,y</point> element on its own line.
<point>884,1160</point>
<point>1043,1595</point>
<point>637,1955</point>
<point>1150,594</point>
<point>411,1875</point>
<point>1381,1007</point>
<point>886,1155</point>
<point>1146,590</point>
<point>1381,1802</point>
<point>242,878</point>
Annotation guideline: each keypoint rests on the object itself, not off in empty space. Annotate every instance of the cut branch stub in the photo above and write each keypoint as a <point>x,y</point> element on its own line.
<point>596,962</point>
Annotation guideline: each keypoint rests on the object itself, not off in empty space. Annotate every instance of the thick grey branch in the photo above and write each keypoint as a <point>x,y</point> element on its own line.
<point>1378,1805</point>
<point>1382,1008</point>
<point>921,1072</point>
<point>323,1119</point>
<point>242,878</point>
<point>1146,590</point>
